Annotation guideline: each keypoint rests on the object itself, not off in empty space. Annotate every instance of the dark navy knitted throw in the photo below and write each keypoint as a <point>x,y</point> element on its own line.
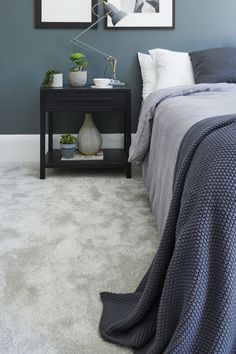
<point>186,303</point>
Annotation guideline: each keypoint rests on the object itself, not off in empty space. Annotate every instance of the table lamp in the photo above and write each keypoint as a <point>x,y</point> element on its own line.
<point>116,15</point>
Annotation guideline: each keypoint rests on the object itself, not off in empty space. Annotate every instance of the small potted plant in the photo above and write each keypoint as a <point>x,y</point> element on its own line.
<point>68,145</point>
<point>52,78</point>
<point>77,74</point>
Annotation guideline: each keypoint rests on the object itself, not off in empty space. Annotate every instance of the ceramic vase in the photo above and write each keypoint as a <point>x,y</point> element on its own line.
<point>78,78</point>
<point>57,80</point>
<point>89,139</point>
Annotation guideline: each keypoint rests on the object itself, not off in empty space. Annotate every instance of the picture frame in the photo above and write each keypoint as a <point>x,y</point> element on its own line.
<point>62,14</point>
<point>142,14</point>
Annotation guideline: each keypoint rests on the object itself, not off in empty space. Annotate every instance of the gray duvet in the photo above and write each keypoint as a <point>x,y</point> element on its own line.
<point>165,118</point>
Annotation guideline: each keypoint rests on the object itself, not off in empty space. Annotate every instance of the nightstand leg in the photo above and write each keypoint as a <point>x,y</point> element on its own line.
<point>128,171</point>
<point>125,133</point>
<point>50,131</point>
<point>42,144</point>
<point>128,135</point>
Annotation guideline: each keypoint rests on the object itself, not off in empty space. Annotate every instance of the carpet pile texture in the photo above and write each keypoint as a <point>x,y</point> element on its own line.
<point>63,241</point>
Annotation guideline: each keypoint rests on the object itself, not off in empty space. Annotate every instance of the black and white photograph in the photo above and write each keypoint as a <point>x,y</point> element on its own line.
<point>64,13</point>
<point>140,14</point>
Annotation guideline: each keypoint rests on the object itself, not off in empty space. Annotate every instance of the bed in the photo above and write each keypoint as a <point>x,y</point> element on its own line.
<point>185,303</point>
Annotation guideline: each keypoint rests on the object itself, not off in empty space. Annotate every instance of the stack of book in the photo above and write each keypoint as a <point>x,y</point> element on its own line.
<point>80,157</point>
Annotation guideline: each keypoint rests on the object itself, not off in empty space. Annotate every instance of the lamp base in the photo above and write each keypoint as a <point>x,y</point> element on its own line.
<point>118,83</point>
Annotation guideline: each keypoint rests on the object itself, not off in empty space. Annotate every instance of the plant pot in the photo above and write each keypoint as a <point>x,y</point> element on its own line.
<point>78,78</point>
<point>57,80</point>
<point>89,139</point>
<point>68,150</point>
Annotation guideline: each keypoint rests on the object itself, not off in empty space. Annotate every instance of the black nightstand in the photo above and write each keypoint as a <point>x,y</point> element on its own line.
<point>84,99</point>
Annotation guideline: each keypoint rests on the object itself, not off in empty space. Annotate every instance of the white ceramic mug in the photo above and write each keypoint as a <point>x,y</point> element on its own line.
<point>103,82</point>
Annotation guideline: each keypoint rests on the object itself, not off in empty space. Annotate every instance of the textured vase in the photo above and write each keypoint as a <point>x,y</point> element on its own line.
<point>68,150</point>
<point>89,139</point>
<point>78,78</point>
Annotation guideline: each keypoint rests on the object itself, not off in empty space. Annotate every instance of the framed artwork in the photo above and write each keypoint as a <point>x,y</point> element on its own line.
<point>145,14</point>
<point>64,13</point>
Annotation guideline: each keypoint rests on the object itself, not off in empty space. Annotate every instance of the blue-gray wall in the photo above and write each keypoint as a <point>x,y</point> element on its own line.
<point>26,52</point>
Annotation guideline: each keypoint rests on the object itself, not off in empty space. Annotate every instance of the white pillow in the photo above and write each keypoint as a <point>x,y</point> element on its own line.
<point>172,68</point>
<point>148,73</point>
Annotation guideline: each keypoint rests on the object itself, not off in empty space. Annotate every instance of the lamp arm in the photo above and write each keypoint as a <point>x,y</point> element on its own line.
<point>78,42</point>
<point>107,57</point>
<point>91,26</point>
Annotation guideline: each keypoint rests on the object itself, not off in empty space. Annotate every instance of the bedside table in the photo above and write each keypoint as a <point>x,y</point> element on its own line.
<point>84,99</point>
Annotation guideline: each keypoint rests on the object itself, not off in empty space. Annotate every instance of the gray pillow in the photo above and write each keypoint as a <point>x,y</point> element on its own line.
<point>214,65</point>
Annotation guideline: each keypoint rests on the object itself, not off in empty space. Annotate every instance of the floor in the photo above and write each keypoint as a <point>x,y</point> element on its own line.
<point>62,241</point>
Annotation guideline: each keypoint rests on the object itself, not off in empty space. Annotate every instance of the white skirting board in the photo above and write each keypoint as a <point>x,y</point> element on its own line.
<point>25,148</point>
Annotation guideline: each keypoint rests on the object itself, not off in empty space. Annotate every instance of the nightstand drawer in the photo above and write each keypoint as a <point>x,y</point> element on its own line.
<point>85,99</point>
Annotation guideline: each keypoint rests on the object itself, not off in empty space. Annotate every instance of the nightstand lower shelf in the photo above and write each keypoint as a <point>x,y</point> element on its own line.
<point>113,158</point>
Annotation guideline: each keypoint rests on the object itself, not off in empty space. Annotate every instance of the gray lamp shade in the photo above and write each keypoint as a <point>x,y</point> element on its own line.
<point>115,14</point>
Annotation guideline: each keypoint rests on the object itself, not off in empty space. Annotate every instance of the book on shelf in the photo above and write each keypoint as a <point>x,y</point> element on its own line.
<point>80,157</point>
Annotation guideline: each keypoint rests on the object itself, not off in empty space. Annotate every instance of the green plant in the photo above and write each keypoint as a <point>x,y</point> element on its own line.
<point>79,60</point>
<point>68,139</point>
<point>48,77</point>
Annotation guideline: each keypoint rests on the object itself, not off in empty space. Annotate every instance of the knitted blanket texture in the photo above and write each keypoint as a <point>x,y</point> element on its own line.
<point>186,303</point>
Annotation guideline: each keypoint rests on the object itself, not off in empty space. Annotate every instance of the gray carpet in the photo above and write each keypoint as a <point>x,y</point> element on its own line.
<point>62,241</point>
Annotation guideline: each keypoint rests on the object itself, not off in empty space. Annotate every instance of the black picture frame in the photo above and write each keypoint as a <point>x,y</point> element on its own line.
<point>60,25</point>
<point>171,27</point>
